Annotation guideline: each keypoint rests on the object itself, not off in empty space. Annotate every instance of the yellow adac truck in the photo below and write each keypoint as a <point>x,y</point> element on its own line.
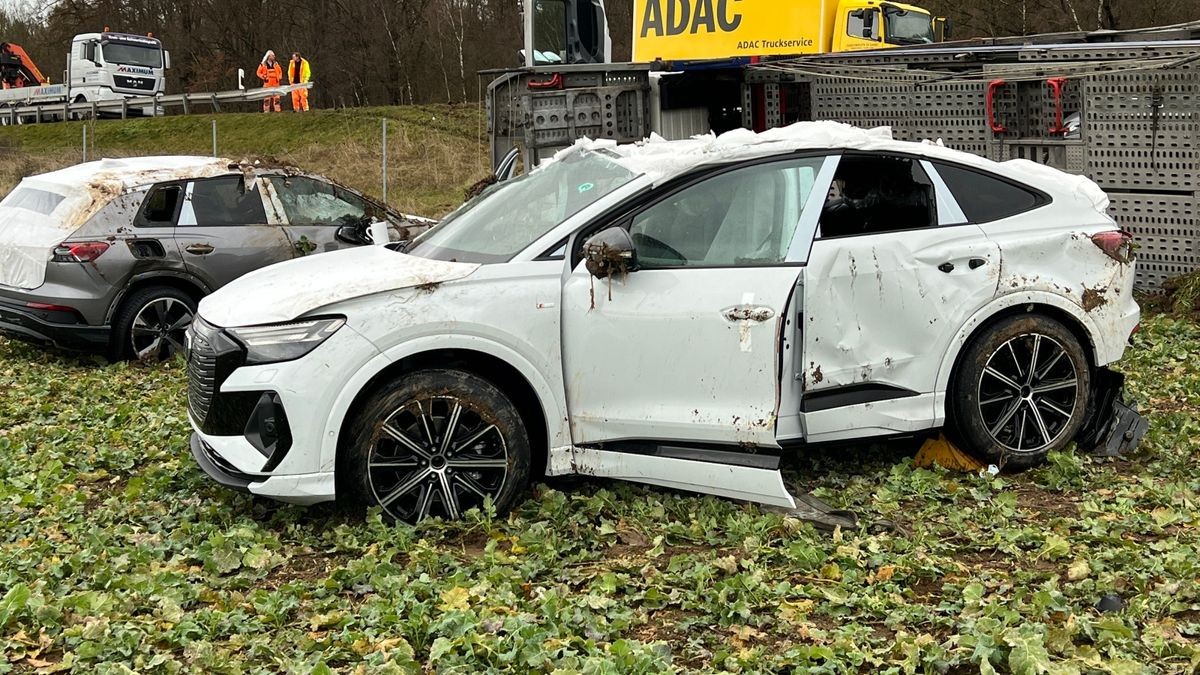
<point>674,30</point>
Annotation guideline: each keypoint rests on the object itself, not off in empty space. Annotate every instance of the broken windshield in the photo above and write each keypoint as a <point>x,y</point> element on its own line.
<point>510,216</point>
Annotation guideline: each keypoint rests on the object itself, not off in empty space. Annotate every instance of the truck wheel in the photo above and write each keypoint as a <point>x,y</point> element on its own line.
<point>8,118</point>
<point>1020,392</point>
<point>435,443</point>
<point>80,116</point>
<point>151,324</point>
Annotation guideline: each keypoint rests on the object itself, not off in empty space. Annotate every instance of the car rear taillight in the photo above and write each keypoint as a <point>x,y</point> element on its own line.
<point>80,251</point>
<point>56,309</point>
<point>1116,244</point>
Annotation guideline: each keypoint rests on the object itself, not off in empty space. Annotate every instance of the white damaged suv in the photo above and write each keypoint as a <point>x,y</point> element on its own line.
<point>681,314</point>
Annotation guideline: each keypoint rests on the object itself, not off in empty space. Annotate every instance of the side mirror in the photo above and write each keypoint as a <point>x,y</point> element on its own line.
<point>869,24</point>
<point>353,235</point>
<point>610,253</point>
<point>167,60</point>
<point>947,29</point>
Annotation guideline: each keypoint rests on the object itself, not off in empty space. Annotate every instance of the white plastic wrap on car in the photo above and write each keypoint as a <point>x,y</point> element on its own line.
<point>28,235</point>
<point>662,160</point>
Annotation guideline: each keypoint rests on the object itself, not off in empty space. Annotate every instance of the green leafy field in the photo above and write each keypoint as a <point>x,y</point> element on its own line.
<point>117,554</point>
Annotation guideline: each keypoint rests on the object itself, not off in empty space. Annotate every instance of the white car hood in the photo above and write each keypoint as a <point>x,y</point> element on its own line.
<point>289,290</point>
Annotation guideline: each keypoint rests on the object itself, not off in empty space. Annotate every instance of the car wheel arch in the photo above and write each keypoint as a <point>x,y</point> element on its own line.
<point>1048,305</point>
<point>536,407</point>
<point>189,285</point>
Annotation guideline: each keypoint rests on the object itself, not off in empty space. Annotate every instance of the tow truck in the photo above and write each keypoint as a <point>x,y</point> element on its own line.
<point>101,67</point>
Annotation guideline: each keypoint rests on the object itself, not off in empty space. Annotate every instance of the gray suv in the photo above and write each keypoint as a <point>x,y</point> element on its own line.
<point>113,256</point>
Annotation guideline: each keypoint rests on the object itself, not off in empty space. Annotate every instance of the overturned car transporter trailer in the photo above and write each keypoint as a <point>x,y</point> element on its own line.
<point>1120,107</point>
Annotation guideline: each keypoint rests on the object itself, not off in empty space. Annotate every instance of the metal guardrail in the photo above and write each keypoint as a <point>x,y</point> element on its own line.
<point>34,113</point>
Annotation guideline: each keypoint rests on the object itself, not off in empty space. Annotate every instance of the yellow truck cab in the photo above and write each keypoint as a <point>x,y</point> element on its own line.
<point>719,29</point>
<point>867,24</point>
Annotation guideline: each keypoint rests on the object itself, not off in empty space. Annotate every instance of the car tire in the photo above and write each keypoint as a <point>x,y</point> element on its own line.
<point>398,456</point>
<point>1020,392</point>
<point>150,325</point>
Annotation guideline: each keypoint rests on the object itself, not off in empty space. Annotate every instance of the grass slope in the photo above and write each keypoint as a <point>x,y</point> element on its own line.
<point>116,553</point>
<point>435,152</point>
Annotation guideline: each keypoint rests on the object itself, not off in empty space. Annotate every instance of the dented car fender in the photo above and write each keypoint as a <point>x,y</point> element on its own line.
<point>1007,302</point>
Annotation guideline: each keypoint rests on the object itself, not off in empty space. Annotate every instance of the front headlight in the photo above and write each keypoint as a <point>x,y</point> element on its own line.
<point>285,341</point>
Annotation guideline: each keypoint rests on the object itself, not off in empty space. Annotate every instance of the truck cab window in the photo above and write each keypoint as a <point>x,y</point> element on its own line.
<point>550,31</point>
<point>906,27</point>
<point>863,24</point>
<point>875,194</point>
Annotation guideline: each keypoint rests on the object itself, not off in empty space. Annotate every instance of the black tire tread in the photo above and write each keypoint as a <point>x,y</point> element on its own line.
<point>353,489</point>
<point>119,348</point>
<point>963,426</point>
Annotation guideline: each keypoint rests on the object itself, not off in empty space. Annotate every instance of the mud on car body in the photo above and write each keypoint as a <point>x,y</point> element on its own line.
<point>113,256</point>
<point>680,314</point>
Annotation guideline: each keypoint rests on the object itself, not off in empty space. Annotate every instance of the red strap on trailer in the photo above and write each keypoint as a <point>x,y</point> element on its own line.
<point>994,123</point>
<point>555,82</point>
<point>1057,84</point>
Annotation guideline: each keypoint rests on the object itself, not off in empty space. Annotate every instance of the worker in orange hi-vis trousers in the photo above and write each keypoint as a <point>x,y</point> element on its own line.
<point>271,74</point>
<point>299,72</point>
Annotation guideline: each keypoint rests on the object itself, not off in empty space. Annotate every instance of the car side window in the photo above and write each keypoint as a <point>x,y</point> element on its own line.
<point>985,198</point>
<point>226,201</point>
<point>872,194</point>
<point>307,201</point>
<point>744,217</point>
<point>161,207</point>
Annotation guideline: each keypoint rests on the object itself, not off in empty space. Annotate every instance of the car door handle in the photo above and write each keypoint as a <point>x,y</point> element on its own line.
<point>946,267</point>
<point>200,249</point>
<point>976,263</point>
<point>752,313</point>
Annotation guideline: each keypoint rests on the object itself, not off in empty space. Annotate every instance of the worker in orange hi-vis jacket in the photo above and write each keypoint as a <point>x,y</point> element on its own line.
<point>299,72</point>
<point>271,74</point>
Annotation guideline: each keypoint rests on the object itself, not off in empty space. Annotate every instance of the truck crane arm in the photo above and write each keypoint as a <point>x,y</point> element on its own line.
<point>17,69</point>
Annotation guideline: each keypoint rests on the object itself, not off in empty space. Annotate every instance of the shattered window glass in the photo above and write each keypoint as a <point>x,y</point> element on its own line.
<point>312,202</point>
<point>741,218</point>
<point>32,199</point>
<point>161,205</point>
<point>225,201</point>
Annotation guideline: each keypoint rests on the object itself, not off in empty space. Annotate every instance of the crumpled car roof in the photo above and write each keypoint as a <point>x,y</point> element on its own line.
<point>119,175</point>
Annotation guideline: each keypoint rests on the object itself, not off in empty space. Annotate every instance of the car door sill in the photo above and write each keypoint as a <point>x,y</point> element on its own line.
<point>719,473</point>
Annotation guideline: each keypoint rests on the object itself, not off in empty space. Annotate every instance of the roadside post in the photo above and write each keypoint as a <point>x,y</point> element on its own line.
<point>385,162</point>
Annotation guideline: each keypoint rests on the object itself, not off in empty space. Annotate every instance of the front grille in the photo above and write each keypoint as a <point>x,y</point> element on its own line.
<point>212,359</point>
<point>143,83</point>
<point>202,377</point>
